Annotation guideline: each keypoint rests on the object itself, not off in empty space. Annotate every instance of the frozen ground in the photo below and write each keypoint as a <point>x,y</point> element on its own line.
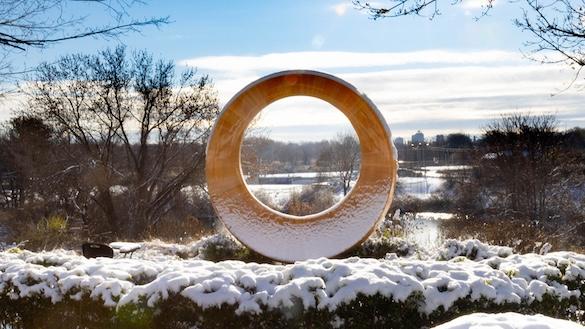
<point>459,270</point>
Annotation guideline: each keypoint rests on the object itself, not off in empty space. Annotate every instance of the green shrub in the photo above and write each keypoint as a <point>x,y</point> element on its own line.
<point>380,246</point>
<point>221,247</point>
<point>55,224</point>
<point>176,311</point>
<point>180,312</point>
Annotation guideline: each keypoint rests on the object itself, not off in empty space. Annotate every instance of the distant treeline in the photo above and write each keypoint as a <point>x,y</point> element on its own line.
<point>286,156</point>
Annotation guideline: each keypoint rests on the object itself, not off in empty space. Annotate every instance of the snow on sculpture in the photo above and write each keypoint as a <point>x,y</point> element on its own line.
<point>286,237</point>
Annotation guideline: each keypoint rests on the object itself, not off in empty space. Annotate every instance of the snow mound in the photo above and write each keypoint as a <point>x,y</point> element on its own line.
<point>508,321</point>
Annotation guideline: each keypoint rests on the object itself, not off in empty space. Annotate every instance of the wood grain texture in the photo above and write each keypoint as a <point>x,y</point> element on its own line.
<point>325,234</point>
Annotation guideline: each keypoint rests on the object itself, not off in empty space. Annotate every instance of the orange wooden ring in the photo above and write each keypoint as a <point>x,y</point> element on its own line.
<point>325,234</point>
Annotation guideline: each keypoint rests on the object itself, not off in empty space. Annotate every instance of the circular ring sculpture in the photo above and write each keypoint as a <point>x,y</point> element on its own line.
<point>325,234</point>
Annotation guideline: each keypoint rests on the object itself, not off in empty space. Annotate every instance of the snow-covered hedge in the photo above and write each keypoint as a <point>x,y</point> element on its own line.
<point>61,289</point>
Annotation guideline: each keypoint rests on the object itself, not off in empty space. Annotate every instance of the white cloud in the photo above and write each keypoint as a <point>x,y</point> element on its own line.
<point>10,103</point>
<point>437,91</point>
<point>475,4</point>
<point>340,9</point>
<point>338,59</point>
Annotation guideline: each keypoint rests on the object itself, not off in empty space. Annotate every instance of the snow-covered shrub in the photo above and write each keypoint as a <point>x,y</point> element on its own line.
<point>472,249</point>
<point>380,246</point>
<point>393,225</point>
<point>220,247</point>
<point>216,247</point>
<point>64,290</point>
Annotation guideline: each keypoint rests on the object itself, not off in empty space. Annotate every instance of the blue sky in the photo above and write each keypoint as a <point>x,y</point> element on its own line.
<point>202,28</point>
<point>447,75</point>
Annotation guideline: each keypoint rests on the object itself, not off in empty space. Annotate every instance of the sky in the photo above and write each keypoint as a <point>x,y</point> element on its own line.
<point>450,74</point>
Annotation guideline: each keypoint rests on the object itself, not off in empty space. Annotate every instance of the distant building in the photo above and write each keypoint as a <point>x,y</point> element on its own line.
<point>440,139</point>
<point>398,141</point>
<point>419,137</point>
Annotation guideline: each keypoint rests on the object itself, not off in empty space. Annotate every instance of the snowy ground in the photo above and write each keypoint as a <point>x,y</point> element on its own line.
<point>417,187</point>
<point>508,321</point>
<point>279,194</point>
<point>422,187</point>
<point>459,270</point>
<point>312,174</point>
<point>438,171</point>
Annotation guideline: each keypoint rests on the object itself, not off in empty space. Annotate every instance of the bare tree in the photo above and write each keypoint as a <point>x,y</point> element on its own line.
<point>255,145</point>
<point>132,129</point>
<point>523,152</point>
<point>253,154</point>
<point>342,157</point>
<point>26,24</point>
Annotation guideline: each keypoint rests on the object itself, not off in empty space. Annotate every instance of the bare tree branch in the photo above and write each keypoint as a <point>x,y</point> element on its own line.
<point>26,24</point>
<point>398,8</point>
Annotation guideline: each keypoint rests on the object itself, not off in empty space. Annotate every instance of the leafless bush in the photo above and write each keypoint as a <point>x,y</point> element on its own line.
<point>311,200</point>
<point>523,170</point>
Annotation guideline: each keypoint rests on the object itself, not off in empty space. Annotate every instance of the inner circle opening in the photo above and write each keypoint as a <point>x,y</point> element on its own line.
<point>300,156</point>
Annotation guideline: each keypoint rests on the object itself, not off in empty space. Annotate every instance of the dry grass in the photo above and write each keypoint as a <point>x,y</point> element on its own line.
<point>523,236</point>
<point>183,230</point>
